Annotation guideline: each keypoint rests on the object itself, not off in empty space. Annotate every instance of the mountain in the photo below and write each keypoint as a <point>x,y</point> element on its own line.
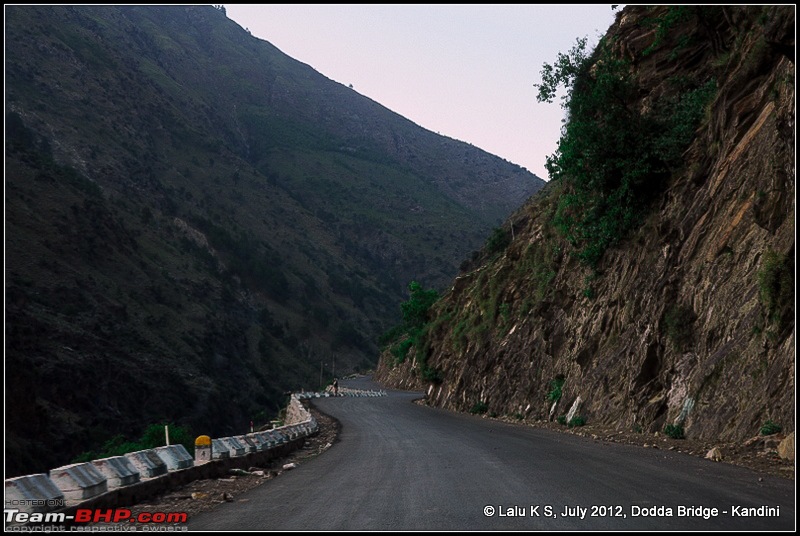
<point>650,286</point>
<point>197,223</point>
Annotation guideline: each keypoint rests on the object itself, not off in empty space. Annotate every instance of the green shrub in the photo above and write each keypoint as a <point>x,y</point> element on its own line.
<point>415,323</point>
<point>675,431</point>
<point>776,287</point>
<point>612,159</point>
<point>576,421</point>
<point>672,16</point>
<point>430,374</point>
<point>479,408</point>
<point>460,334</point>
<point>389,336</point>
<point>562,419</point>
<point>505,312</point>
<point>554,395</point>
<point>770,428</point>
<point>400,350</point>
<point>415,310</point>
<point>498,241</point>
<point>152,437</point>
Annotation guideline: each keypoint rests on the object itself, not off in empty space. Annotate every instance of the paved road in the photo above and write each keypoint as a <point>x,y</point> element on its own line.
<point>401,466</point>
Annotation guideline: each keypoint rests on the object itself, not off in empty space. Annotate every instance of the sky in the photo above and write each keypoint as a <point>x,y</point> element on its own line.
<point>464,71</point>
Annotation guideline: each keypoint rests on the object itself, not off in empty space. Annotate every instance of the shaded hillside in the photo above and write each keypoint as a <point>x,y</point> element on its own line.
<point>196,223</point>
<point>673,304</point>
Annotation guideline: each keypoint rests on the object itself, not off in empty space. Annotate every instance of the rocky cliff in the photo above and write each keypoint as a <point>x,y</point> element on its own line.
<point>686,321</point>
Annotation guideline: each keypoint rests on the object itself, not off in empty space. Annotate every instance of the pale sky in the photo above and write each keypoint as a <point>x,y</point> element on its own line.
<point>464,71</point>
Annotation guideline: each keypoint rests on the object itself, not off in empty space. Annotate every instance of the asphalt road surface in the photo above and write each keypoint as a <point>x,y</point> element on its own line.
<point>402,466</point>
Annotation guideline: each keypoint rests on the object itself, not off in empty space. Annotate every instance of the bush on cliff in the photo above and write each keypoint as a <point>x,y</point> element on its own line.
<point>613,158</point>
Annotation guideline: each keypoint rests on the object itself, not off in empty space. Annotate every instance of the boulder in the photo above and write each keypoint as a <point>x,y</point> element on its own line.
<point>786,448</point>
<point>714,454</point>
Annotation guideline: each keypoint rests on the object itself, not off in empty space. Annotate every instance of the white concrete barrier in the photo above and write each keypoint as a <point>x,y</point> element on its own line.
<point>265,438</point>
<point>256,439</point>
<point>148,463</point>
<point>175,456</point>
<point>74,483</point>
<point>360,393</point>
<point>219,449</point>
<point>33,494</point>
<point>247,443</point>
<point>278,436</point>
<point>233,445</point>
<point>79,481</point>
<point>289,432</point>
<point>118,470</point>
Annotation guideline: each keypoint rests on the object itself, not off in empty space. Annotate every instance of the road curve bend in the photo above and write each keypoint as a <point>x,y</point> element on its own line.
<point>403,466</point>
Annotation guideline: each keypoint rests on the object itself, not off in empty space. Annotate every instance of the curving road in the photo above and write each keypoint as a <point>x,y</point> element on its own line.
<point>402,466</point>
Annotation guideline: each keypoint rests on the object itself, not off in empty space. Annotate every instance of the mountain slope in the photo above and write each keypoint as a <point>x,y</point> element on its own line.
<point>685,320</point>
<point>197,223</point>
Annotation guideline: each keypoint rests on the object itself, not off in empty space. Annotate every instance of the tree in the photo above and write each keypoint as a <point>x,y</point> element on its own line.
<point>562,73</point>
<point>613,158</point>
<point>415,310</point>
<point>498,241</point>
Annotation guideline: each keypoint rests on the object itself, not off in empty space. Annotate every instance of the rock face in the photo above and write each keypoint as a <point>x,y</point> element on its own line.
<point>683,322</point>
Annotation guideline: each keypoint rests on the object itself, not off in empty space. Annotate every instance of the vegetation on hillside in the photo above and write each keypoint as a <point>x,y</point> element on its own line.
<point>153,436</point>
<point>195,215</point>
<point>414,329</point>
<point>614,159</point>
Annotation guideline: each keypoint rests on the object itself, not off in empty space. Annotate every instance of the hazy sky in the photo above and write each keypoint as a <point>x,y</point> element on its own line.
<point>466,71</point>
